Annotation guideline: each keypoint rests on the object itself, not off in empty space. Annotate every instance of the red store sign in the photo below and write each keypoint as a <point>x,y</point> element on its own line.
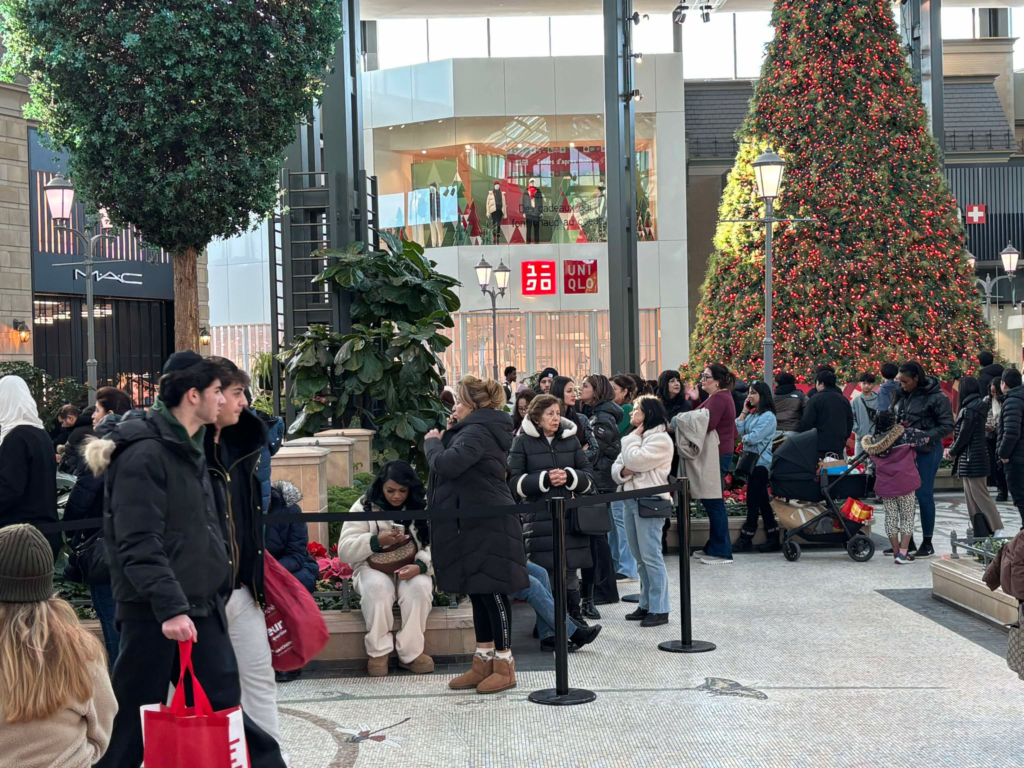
<point>539,278</point>
<point>580,276</point>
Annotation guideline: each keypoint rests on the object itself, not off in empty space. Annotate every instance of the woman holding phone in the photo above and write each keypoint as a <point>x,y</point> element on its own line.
<point>391,558</point>
<point>756,426</point>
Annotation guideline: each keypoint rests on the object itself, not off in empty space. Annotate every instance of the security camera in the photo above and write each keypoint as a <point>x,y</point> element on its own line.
<point>679,14</point>
<point>705,12</point>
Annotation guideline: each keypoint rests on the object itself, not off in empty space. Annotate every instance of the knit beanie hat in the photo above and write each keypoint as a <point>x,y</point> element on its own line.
<point>26,565</point>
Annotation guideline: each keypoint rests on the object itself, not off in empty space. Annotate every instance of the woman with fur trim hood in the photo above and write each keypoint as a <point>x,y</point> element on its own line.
<point>391,558</point>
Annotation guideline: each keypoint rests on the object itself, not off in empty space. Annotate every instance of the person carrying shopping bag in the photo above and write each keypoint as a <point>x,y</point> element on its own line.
<point>645,462</point>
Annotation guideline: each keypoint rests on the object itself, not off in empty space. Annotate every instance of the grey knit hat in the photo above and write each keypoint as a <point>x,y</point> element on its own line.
<point>26,565</point>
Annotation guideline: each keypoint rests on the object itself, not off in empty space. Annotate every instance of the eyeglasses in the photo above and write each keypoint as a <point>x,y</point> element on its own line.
<point>522,408</point>
<point>706,376</point>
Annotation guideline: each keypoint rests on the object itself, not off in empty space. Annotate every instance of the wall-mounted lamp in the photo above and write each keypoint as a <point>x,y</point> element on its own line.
<point>204,336</point>
<point>24,332</point>
<point>635,95</point>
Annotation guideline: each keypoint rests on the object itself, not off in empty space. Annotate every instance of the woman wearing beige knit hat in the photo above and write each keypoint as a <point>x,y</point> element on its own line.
<point>57,706</point>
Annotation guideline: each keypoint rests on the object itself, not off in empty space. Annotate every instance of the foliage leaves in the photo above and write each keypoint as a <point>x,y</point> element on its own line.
<point>49,393</point>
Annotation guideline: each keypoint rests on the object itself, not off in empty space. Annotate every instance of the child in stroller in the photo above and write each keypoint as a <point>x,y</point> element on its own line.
<point>896,479</point>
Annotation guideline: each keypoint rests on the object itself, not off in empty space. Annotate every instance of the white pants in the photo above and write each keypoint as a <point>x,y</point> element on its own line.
<point>247,629</point>
<point>377,599</point>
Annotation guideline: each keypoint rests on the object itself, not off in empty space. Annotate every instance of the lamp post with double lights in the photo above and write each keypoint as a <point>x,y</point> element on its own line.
<point>768,171</point>
<point>1009,256</point>
<point>60,201</point>
<point>501,274</point>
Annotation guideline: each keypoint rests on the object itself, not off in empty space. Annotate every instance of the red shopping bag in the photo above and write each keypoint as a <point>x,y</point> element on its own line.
<point>857,511</point>
<point>187,737</point>
<point>295,626</point>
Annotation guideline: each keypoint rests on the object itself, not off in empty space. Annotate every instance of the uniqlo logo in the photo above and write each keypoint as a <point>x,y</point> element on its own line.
<point>539,278</point>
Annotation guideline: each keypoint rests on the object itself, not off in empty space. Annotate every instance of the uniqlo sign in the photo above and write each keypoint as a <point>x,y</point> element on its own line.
<point>975,214</point>
<point>539,278</point>
<point>580,276</point>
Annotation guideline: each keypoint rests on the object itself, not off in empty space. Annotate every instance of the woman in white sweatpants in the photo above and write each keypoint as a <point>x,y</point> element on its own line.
<point>397,493</point>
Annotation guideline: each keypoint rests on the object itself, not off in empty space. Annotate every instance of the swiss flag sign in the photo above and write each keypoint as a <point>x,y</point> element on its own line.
<point>975,213</point>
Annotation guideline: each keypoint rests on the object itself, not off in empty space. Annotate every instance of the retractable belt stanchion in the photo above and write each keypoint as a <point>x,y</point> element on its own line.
<point>687,644</point>
<point>561,694</point>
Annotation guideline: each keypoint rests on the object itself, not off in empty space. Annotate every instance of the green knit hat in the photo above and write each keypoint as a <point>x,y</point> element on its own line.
<point>26,565</point>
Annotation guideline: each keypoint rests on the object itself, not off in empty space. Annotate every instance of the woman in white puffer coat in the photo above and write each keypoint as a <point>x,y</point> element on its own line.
<point>645,462</point>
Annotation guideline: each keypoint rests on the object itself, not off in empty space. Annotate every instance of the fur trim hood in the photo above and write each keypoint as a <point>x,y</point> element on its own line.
<point>875,445</point>
<point>567,430</point>
<point>290,495</point>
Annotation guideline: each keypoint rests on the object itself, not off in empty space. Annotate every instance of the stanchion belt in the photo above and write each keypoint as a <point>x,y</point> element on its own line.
<point>418,514</point>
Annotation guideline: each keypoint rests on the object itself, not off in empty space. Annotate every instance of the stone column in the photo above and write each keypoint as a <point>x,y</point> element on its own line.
<point>305,467</point>
<point>362,451</point>
<point>15,251</point>
<point>339,463</point>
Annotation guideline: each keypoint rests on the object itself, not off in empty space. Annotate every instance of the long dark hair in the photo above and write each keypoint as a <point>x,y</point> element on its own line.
<point>915,369</point>
<point>628,383</point>
<point>401,472</point>
<point>766,403</point>
<point>558,386</point>
<point>602,387</point>
<point>663,381</point>
<point>517,419</point>
<point>726,380</point>
<point>655,414</point>
<point>642,387</point>
<point>969,386</point>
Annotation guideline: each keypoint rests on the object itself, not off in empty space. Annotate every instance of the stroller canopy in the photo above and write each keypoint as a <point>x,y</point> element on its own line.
<point>794,473</point>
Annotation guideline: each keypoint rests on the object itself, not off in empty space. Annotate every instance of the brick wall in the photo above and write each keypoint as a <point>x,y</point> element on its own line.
<point>15,250</point>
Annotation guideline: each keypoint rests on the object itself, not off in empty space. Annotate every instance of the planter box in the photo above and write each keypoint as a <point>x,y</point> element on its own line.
<point>945,481</point>
<point>958,583</point>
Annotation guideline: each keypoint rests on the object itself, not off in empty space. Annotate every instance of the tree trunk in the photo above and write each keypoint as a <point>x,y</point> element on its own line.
<point>186,300</point>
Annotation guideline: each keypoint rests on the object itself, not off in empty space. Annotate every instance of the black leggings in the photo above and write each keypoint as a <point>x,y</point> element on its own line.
<point>758,502</point>
<point>492,620</point>
<point>533,230</point>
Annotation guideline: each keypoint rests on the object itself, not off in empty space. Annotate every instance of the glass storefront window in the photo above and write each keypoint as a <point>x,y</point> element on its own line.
<point>498,180</point>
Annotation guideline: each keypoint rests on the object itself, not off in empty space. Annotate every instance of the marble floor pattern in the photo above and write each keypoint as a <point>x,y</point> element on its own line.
<point>835,663</point>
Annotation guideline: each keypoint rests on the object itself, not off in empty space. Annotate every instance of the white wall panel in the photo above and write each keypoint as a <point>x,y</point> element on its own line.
<point>530,86</point>
<point>579,85</point>
<point>479,87</point>
<point>392,96</point>
<point>433,93</point>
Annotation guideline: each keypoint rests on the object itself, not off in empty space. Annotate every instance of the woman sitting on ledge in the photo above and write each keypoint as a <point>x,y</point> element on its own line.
<point>389,558</point>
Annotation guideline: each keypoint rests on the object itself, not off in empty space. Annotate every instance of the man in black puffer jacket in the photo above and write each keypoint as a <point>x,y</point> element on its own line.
<point>990,370</point>
<point>831,414</point>
<point>1011,437</point>
<point>166,537</point>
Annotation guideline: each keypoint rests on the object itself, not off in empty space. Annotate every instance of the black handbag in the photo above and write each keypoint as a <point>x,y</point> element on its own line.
<point>92,560</point>
<point>654,506</point>
<point>591,520</point>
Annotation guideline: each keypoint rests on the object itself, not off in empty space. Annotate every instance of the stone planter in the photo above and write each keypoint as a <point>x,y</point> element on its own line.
<point>449,633</point>
<point>958,583</point>
<point>340,472</point>
<point>362,451</point>
<point>305,467</point>
<point>946,481</point>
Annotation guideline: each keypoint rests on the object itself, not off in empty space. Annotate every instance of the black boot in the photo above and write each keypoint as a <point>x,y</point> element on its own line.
<point>575,608</point>
<point>587,607</point>
<point>744,542</point>
<point>772,541</point>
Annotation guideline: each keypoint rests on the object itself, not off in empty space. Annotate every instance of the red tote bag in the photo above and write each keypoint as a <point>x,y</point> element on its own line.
<point>186,737</point>
<point>295,627</point>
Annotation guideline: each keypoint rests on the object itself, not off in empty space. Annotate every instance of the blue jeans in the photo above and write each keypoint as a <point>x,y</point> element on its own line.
<point>103,604</point>
<point>719,544</point>
<point>622,558</point>
<point>539,596</point>
<point>644,535</point>
<point>928,467</point>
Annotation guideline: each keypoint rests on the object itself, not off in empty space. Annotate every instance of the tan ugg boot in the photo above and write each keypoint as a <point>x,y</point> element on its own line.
<point>482,669</point>
<point>503,677</point>
<point>421,665</point>
<point>377,666</point>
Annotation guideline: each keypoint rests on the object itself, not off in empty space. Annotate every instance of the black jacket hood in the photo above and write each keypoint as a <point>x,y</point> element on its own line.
<point>498,423</point>
<point>247,436</point>
<point>610,408</point>
<point>114,437</point>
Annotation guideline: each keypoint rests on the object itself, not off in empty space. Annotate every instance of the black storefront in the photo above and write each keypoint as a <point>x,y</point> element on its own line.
<point>991,200</point>
<point>134,294</point>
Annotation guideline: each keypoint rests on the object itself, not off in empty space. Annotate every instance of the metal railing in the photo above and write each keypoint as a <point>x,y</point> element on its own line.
<point>965,141</point>
<point>983,547</point>
<point>700,147</point>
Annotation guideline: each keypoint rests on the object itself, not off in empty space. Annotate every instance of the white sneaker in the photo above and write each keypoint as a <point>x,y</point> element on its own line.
<point>712,560</point>
<point>626,580</point>
<point>698,554</point>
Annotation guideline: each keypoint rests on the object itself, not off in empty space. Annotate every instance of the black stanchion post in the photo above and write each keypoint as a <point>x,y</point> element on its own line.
<point>561,694</point>
<point>687,644</point>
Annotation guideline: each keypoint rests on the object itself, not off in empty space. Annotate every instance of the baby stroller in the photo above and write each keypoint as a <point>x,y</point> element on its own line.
<point>794,475</point>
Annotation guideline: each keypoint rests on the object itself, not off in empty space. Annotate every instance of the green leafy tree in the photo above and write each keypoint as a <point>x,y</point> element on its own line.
<point>388,371</point>
<point>175,114</point>
<point>882,276</point>
<point>51,394</point>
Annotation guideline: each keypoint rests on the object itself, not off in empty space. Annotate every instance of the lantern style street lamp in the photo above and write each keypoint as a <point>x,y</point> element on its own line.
<point>1009,256</point>
<point>501,276</point>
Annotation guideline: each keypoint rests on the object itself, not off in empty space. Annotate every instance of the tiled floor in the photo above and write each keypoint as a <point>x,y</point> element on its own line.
<point>836,663</point>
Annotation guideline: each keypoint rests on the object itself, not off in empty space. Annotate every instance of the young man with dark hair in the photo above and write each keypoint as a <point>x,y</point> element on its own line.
<point>864,408</point>
<point>510,382</point>
<point>830,413</point>
<point>170,564</point>
<point>889,386</point>
<point>233,450</point>
<point>990,370</point>
<point>789,402</point>
<point>66,418</point>
<point>1011,437</point>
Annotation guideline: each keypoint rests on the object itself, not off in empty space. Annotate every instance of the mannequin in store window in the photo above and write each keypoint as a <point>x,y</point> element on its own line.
<point>496,207</point>
<point>436,227</point>
<point>533,207</point>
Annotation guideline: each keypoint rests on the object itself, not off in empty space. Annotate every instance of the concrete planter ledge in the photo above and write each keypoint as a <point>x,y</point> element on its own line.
<point>958,583</point>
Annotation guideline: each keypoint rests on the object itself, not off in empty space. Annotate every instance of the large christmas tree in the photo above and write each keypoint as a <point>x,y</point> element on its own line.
<point>882,276</point>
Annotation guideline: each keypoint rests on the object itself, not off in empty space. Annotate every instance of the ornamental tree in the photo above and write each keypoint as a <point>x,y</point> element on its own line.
<point>882,275</point>
<point>175,115</point>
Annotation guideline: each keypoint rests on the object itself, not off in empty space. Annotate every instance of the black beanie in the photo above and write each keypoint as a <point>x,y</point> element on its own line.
<point>179,361</point>
<point>26,565</point>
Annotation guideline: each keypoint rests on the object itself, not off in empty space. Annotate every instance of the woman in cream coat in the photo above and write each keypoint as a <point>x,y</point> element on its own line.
<point>397,493</point>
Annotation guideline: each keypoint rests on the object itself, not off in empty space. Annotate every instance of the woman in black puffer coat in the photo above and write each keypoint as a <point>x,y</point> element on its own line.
<point>971,460</point>
<point>546,461</point>
<point>481,557</point>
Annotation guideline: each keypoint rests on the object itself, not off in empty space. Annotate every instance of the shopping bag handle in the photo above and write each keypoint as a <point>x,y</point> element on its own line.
<point>202,703</point>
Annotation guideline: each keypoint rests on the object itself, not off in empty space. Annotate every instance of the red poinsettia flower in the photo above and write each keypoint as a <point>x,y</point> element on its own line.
<point>316,549</point>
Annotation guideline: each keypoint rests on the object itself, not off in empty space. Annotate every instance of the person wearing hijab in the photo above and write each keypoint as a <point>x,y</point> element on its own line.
<point>28,466</point>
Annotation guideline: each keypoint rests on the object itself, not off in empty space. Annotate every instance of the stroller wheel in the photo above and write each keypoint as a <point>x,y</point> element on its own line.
<point>860,548</point>
<point>791,551</point>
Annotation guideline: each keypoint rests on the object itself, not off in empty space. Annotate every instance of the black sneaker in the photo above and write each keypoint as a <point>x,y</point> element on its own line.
<point>637,615</point>
<point>585,635</point>
<point>548,645</point>
<point>911,548</point>
<point>1002,496</point>
<point>654,620</point>
<point>925,550</point>
<point>287,677</point>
